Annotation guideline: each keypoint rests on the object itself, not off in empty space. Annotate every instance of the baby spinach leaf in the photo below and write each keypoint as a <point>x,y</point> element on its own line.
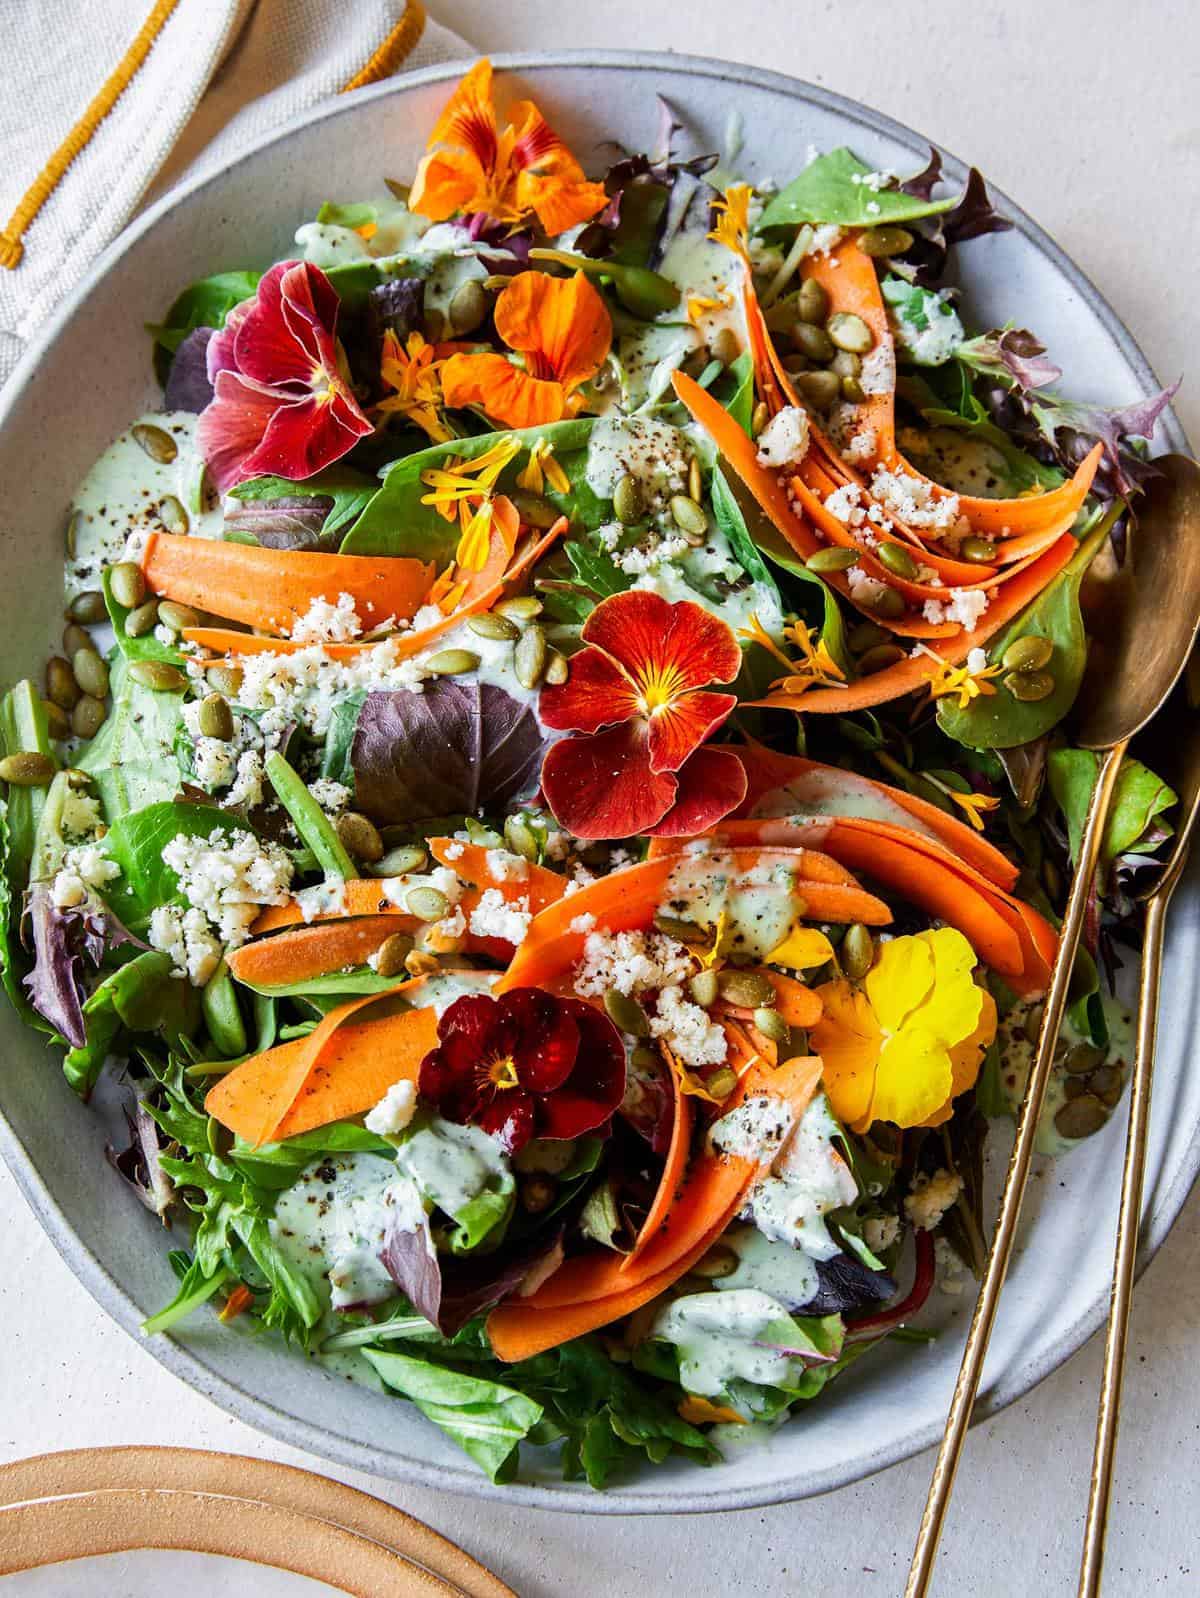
<point>830,189</point>
<point>1139,797</point>
<point>739,401</point>
<point>136,841</point>
<point>486,1419</point>
<point>203,304</point>
<point>395,522</point>
<point>728,516</point>
<point>348,491</point>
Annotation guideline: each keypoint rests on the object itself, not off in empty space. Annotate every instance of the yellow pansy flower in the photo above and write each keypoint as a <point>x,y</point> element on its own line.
<point>903,1045</point>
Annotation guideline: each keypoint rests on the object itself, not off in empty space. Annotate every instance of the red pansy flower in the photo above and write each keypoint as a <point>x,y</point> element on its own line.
<point>282,401</point>
<point>637,694</point>
<point>526,1065</point>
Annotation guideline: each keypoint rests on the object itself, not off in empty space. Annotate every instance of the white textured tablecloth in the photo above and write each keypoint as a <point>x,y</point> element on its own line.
<point>1086,112</point>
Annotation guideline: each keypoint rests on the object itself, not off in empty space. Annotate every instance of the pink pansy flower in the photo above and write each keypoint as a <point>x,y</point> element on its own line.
<point>282,402</point>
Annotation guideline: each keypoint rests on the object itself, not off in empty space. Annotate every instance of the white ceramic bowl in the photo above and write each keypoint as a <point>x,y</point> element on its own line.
<point>83,380</point>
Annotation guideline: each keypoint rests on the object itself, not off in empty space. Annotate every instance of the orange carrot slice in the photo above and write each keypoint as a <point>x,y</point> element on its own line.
<point>671,1180</point>
<point>358,1063</point>
<point>314,951</point>
<point>474,864</point>
<point>272,588</point>
<point>363,896</point>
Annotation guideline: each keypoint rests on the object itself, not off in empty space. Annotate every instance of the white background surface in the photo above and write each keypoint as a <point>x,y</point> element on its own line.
<point>1089,116</point>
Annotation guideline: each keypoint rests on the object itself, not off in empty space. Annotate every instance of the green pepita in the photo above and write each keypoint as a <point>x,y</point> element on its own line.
<point>884,601</point>
<point>392,953</point>
<point>60,683</point>
<point>401,861</point>
<point>1080,1117</point>
<point>857,952</point>
<point>758,418</point>
<point>722,1083</point>
<point>558,668</point>
<point>75,638</point>
<point>434,323</point>
<point>725,346</point>
<point>695,479</point>
<point>520,837</point>
<point>720,1261</point>
<point>127,583</point>
<point>58,723</point>
<point>521,609</point>
<point>703,989</point>
<point>880,241</point>
<point>159,445</point>
<point>224,679</point>
<point>1029,686</point>
<point>90,672</point>
<point>747,989</point>
<point>215,719</point>
<point>629,503</point>
<point>846,364</point>
<point>88,608</point>
<point>865,636</point>
<point>679,929</point>
<point>811,301</point>
<point>143,620</point>
<point>469,307</point>
<point>74,523</point>
<point>879,658</point>
<point>172,515</point>
<point>852,390</point>
<point>88,717</point>
<point>427,904</point>
<point>359,836</point>
<point>979,551</point>
<point>1106,1083</point>
<point>535,510</point>
<point>689,517</point>
<point>1083,1057</point>
<point>833,559</point>
<point>536,1193</point>
<point>529,656</point>
<point>489,625</point>
<point>897,560</point>
<point>794,365</point>
<point>158,675</point>
<point>1030,653</point>
<point>27,770</point>
<point>813,342</point>
<point>177,617</point>
<point>1033,1023</point>
<point>820,389</point>
<point>850,332</point>
<point>772,1025</point>
<point>451,662</point>
<point>626,1014</point>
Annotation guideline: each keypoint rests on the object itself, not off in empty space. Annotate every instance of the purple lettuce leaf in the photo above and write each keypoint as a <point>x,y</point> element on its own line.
<point>475,1283</point>
<point>410,1259</point>
<point>846,1284</point>
<point>1011,353</point>
<point>63,939</point>
<point>1071,428</point>
<point>139,1163</point>
<point>971,218</point>
<point>188,385</point>
<point>294,521</point>
<point>453,749</point>
<point>922,184</point>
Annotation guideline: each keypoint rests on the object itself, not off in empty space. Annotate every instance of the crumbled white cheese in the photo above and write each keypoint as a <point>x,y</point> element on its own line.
<point>394,1110</point>
<point>915,500</point>
<point>582,923</point>
<point>323,623</point>
<point>306,686</point>
<point>784,440</point>
<point>396,889</point>
<point>454,850</point>
<point>186,936</point>
<point>247,788</point>
<point>688,1030</point>
<point>81,815</point>
<point>214,761</point>
<point>90,862</point>
<point>496,917</point>
<point>331,796</point>
<point>931,1197</point>
<point>67,891</point>
<point>327,898</point>
<point>878,373</point>
<point>630,962</point>
<point>879,1232</point>
<point>844,503</point>
<point>976,660</point>
<point>825,239</point>
<point>229,878</point>
<point>963,605</point>
<point>504,866</point>
<point>862,446</point>
<point>875,181</point>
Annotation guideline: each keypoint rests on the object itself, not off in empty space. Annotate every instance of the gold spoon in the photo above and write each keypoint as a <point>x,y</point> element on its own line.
<point>1132,667</point>
<point>1186,781</point>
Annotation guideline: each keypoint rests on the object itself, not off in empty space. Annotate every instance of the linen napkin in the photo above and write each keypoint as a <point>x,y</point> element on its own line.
<point>110,104</point>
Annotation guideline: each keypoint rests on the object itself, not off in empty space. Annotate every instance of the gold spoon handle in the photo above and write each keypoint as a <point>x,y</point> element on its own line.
<point>1128,1221</point>
<point>967,1386</point>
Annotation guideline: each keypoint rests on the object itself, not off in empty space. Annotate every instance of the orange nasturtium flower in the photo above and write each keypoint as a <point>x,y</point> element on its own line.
<point>561,326</point>
<point>903,1045</point>
<point>473,165</point>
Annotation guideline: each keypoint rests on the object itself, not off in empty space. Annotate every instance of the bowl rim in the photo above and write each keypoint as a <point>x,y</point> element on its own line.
<point>259,1412</point>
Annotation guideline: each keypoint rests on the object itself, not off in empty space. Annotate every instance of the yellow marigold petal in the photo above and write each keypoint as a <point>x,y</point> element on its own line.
<point>913,1079</point>
<point>900,980</point>
<point>803,948</point>
<point>848,1039</point>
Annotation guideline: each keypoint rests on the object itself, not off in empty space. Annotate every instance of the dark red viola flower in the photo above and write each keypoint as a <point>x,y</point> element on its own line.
<point>526,1065</point>
<point>638,695</point>
<point>282,403</point>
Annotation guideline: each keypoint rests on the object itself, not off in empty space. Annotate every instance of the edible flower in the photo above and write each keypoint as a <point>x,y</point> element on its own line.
<point>466,489</point>
<point>474,166</point>
<point>816,667</point>
<point>561,328</point>
<point>903,1045</point>
<point>973,804</point>
<point>732,228</point>
<point>966,681</point>
<point>637,695</point>
<point>282,403</point>
<point>541,468</point>
<point>412,372</point>
<point>526,1065</point>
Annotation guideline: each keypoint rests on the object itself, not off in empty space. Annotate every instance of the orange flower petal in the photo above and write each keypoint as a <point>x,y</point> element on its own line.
<point>468,118</point>
<point>967,1057</point>
<point>446,183</point>
<point>563,322</point>
<point>508,395</point>
<point>550,180</point>
<point>848,1039</point>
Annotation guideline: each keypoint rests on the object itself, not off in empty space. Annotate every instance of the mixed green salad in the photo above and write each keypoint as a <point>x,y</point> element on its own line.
<point>556,796</point>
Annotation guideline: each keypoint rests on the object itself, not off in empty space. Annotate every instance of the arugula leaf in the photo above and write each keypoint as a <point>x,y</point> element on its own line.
<point>728,516</point>
<point>487,1420</point>
<point>276,1165</point>
<point>205,303</point>
<point>830,189</point>
<point>131,759</point>
<point>349,491</point>
<point>1140,797</point>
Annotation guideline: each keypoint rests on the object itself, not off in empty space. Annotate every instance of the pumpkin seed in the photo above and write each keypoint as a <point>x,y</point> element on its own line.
<point>127,583</point>
<point>225,679</point>
<point>27,769</point>
<point>1080,1117</point>
<point>1030,653</point>
<point>1105,1082</point>
<point>897,560</point>
<point>879,659</point>
<point>451,662</point>
<point>529,656</point>
<point>626,1014</point>
<point>813,341</point>
<point>392,953</point>
<point>524,608</point>
<point>878,241</point>
<point>865,636</point>
<point>435,325</point>
<point>629,503</point>
<point>772,1025</point>
<point>811,301</point>
<point>60,683</point>
<point>793,365</point>
<point>886,602</point>
<point>520,837</point>
<point>722,1083</point>
<point>172,514</point>
<point>679,929</point>
<point>725,346</point>
<point>558,668</point>
<point>159,445</point>
<point>1075,1087</point>
<point>833,559</point>
<point>535,510</point>
<point>850,332</point>
<point>177,617</point>
<point>536,1194</point>
<point>420,963</point>
<point>1033,1023</point>
<point>88,607</point>
<point>427,904</point>
<point>469,307</point>
<point>57,720</point>
<point>846,364</point>
<point>689,517</point>
<point>1083,1057</point>
<point>159,675</point>
<point>359,837</point>
<point>400,861</point>
<point>703,988</point>
<point>71,536</point>
<point>215,719</point>
<point>488,625</point>
<point>979,551</point>
<point>747,989</point>
<point>88,717</point>
<point>1029,686</point>
<point>90,672</point>
<point>852,390</point>
<point>820,389</point>
<point>142,620</point>
<point>720,1261</point>
<point>75,638</point>
<point>758,418</point>
<point>857,952</point>
<point>695,479</point>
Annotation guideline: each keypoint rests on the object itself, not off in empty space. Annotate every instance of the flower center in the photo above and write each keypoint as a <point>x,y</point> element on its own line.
<point>659,686</point>
<point>502,1073</point>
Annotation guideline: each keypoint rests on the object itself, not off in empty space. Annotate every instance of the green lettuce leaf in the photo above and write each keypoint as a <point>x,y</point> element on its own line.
<point>1140,797</point>
<point>826,191</point>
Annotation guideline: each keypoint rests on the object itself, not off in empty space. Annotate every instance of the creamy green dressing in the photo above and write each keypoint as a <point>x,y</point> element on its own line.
<point>967,465</point>
<point>720,1336</point>
<point>838,794</point>
<point>445,255</point>
<point>1016,1057</point>
<point>787,1274</point>
<point>438,992</point>
<point>451,1164</point>
<point>122,494</point>
<point>760,904</point>
<point>330,1224</point>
